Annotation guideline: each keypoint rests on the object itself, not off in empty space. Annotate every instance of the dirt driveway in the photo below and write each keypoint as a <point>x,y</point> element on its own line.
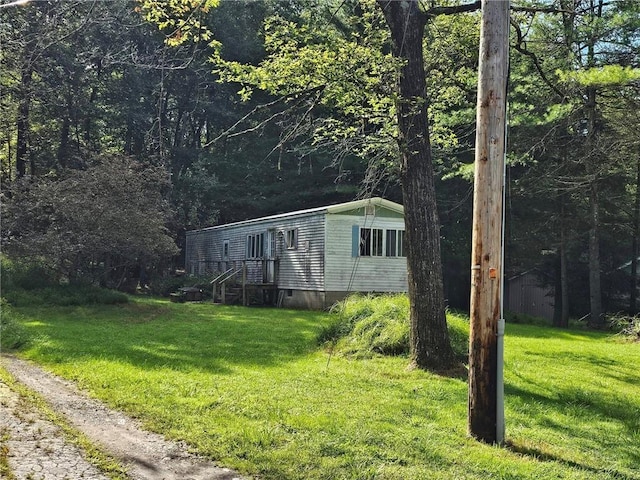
<point>35,449</point>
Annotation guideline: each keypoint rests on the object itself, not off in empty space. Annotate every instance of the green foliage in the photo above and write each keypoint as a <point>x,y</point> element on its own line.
<point>27,275</point>
<point>525,319</point>
<point>364,325</point>
<point>64,295</point>
<point>12,334</point>
<point>181,18</point>
<point>606,75</point>
<point>626,325</point>
<point>27,283</point>
<point>164,286</point>
<point>331,59</point>
<point>89,222</point>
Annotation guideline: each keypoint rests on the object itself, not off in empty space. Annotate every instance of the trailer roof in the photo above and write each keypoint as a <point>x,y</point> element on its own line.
<point>337,208</point>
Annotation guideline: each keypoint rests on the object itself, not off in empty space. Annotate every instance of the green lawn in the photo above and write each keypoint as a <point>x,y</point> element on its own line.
<point>250,388</point>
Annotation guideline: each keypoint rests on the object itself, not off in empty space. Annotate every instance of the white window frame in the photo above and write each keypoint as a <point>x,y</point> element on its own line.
<point>255,245</point>
<point>225,250</point>
<point>371,242</point>
<point>291,238</point>
<point>380,242</point>
<point>394,247</point>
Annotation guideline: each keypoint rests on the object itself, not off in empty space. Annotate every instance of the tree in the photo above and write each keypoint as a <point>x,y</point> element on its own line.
<point>583,52</point>
<point>331,64</point>
<point>98,224</point>
<point>430,343</point>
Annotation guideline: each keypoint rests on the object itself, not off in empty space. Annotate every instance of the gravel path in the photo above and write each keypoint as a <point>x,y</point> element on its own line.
<point>36,449</point>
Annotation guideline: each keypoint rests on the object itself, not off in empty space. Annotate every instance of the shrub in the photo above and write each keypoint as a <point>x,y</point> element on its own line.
<point>525,319</point>
<point>64,295</point>
<point>12,334</point>
<point>625,325</point>
<point>28,275</point>
<point>164,286</point>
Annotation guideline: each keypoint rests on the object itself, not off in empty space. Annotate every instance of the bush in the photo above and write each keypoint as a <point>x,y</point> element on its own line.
<point>625,325</point>
<point>27,275</point>
<point>523,318</point>
<point>164,286</point>
<point>12,334</point>
<point>64,295</point>
<point>365,325</point>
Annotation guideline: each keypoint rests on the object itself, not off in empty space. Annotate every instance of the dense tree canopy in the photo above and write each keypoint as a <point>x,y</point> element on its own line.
<point>299,108</point>
<point>103,223</point>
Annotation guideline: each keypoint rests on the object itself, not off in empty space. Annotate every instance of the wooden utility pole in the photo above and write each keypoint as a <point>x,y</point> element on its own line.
<point>485,369</point>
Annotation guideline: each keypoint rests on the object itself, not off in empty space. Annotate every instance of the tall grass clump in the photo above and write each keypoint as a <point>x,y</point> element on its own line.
<point>12,334</point>
<point>627,326</point>
<point>365,325</point>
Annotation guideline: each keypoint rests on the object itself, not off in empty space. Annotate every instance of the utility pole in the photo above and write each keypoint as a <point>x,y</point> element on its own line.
<point>486,410</point>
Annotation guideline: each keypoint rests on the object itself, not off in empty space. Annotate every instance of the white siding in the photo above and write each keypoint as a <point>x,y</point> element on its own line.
<point>299,268</point>
<point>302,268</point>
<point>344,272</point>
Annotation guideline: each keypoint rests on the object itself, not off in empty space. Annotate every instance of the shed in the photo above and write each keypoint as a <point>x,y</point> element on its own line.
<point>527,293</point>
<point>308,258</point>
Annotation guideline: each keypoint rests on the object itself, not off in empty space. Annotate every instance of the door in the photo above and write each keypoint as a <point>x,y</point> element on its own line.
<point>270,257</point>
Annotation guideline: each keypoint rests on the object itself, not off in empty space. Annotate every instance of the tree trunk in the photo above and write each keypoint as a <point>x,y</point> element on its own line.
<point>595,289</point>
<point>430,345</point>
<point>63,147</point>
<point>635,250</point>
<point>561,308</point>
<point>22,124</point>
<point>564,279</point>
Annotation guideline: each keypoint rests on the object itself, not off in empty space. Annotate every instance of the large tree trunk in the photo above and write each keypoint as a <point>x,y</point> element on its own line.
<point>430,345</point>
<point>561,310</point>
<point>595,289</point>
<point>22,126</point>
<point>635,250</point>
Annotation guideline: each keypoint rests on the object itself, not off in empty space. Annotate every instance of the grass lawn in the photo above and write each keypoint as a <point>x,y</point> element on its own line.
<point>250,388</point>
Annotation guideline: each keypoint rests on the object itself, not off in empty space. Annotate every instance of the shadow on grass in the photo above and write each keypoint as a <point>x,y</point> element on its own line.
<point>549,457</point>
<point>181,337</point>
<point>585,406</point>
<point>543,332</point>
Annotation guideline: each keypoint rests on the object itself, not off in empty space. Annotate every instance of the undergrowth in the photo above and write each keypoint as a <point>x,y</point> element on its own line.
<point>627,326</point>
<point>365,325</point>
<point>64,295</point>
<point>13,334</point>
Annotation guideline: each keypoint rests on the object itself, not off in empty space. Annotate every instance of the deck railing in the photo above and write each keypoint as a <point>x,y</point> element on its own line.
<point>255,273</point>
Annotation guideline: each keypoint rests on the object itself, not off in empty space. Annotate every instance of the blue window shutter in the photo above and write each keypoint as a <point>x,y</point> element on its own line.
<point>355,240</point>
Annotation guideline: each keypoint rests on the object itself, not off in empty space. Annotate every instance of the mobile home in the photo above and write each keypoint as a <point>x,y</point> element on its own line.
<point>308,258</point>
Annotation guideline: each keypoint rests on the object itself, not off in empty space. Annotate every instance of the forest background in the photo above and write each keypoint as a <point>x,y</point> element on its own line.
<point>116,137</point>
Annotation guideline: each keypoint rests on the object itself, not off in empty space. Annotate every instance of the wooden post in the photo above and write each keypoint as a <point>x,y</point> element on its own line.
<point>244,283</point>
<point>486,253</point>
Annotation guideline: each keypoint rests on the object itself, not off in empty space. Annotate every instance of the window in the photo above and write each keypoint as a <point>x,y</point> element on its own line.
<point>225,250</point>
<point>377,242</point>
<point>395,243</point>
<point>291,237</point>
<point>392,243</point>
<point>255,245</point>
<point>371,242</point>
<point>401,243</point>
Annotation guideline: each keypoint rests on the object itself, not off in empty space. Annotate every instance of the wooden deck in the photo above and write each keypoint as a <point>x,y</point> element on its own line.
<point>244,278</point>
